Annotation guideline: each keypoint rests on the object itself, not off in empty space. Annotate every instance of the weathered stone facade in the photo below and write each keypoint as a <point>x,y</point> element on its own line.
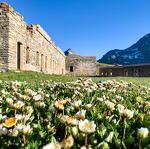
<point>80,65</point>
<point>139,70</point>
<point>27,47</point>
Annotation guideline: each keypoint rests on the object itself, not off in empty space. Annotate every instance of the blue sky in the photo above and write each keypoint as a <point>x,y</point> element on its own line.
<point>88,27</point>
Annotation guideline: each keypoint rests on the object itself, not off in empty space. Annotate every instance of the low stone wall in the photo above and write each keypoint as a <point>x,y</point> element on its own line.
<point>141,70</point>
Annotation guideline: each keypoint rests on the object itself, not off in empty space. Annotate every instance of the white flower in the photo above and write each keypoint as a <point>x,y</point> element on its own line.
<point>83,147</point>
<point>114,101</point>
<point>72,120</point>
<point>143,132</point>
<point>128,113</point>
<point>119,97</point>
<point>37,97</point>
<point>30,92</point>
<point>52,146</point>
<point>70,109</point>
<point>80,114</point>
<point>10,122</point>
<point>0,99</point>
<point>29,109</point>
<point>67,143</point>
<point>77,103</point>
<point>40,104</point>
<point>87,126</point>
<point>24,97</point>
<point>63,119</point>
<point>19,117</point>
<point>4,131</point>
<point>88,106</point>
<point>59,105</point>
<point>14,132</point>
<point>19,127</point>
<point>120,109</point>
<point>26,129</point>
<point>47,95</point>
<point>9,100</point>
<point>110,105</point>
<point>74,131</point>
<point>88,90</point>
<point>35,125</point>
<point>100,99</point>
<point>18,105</point>
<point>1,117</point>
<point>3,92</point>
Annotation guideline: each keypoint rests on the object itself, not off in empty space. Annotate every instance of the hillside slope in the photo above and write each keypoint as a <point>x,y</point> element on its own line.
<point>138,53</point>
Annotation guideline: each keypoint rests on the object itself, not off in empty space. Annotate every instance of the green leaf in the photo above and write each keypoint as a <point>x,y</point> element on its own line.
<point>109,138</point>
<point>53,140</point>
<point>102,145</point>
<point>123,144</point>
<point>39,125</point>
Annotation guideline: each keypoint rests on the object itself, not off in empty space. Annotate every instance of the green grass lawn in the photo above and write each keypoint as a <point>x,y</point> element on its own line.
<point>34,77</point>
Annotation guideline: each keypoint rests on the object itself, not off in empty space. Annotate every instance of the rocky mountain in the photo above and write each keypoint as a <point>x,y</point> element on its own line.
<point>138,53</point>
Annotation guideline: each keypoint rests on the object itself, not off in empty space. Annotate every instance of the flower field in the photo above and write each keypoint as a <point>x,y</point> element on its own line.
<point>79,114</point>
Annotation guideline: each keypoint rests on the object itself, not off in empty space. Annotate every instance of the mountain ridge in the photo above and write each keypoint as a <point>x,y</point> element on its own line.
<point>137,53</point>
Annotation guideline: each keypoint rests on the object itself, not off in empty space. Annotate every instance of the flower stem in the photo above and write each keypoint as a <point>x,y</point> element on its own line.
<point>24,141</point>
<point>86,139</point>
<point>24,119</point>
<point>38,115</point>
<point>124,130</point>
<point>66,132</point>
<point>15,112</point>
<point>139,142</point>
<point>55,113</point>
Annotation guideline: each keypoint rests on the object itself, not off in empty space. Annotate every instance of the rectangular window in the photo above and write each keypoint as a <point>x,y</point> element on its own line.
<point>18,54</point>
<point>42,60</point>
<point>71,68</point>
<point>27,55</point>
<point>37,58</point>
<point>45,62</point>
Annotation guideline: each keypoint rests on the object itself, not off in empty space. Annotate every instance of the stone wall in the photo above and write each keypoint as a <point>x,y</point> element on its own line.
<point>4,29</point>
<point>27,47</point>
<point>141,70</point>
<point>81,65</point>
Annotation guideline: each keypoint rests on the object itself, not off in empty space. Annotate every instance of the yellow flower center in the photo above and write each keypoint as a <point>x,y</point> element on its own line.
<point>86,126</point>
<point>59,104</point>
<point>71,118</point>
<point>10,121</point>
<point>138,99</point>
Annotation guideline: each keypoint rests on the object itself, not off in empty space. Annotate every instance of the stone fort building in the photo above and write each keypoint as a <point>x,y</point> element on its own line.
<point>28,47</point>
<point>83,65</point>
